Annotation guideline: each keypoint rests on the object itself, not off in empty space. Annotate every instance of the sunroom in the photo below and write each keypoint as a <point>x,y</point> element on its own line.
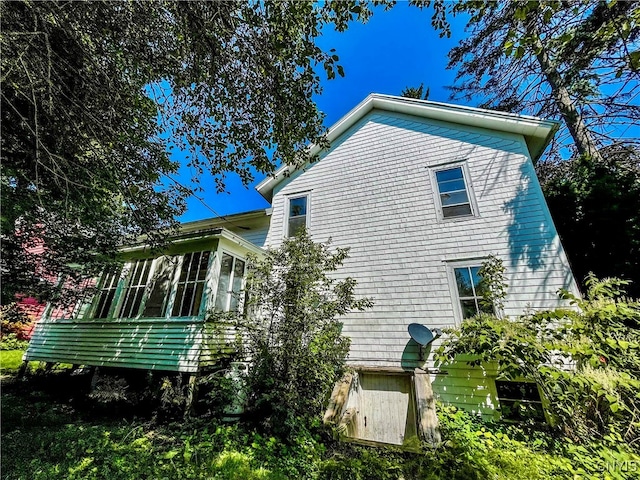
<point>154,312</point>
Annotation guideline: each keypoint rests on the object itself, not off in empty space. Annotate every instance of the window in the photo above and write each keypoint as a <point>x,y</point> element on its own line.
<point>107,292</point>
<point>454,197</point>
<point>470,291</point>
<point>156,288</point>
<point>134,291</point>
<point>229,283</point>
<point>190,288</point>
<point>519,401</point>
<point>297,214</point>
<point>157,302</point>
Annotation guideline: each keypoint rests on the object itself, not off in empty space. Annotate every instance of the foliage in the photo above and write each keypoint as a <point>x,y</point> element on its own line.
<point>600,338</point>
<point>598,201</point>
<point>10,341</point>
<point>576,61</point>
<point>493,284</point>
<point>13,320</point>
<point>416,92</point>
<point>48,439</point>
<point>97,94</point>
<point>293,333</point>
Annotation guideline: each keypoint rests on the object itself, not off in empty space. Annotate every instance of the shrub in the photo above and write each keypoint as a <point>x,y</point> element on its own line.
<point>293,333</point>
<point>585,360</point>
<point>10,341</point>
<point>14,320</point>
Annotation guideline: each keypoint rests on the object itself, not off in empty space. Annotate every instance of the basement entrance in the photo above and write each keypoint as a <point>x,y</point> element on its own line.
<point>385,408</point>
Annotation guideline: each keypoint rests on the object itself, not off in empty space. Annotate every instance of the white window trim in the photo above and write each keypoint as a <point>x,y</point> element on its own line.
<point>287,202</point>
<point>176,279</point>
<point>235,257</point>
<point>468,186</point>
<point>451,265</point>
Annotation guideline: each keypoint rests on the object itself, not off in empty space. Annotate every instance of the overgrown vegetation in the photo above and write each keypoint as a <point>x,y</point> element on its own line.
<point>47,436</point>
<point>293,331</point>
<point>585,359</point>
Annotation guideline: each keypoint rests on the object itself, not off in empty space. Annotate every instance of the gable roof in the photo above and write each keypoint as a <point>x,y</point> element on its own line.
<point>537,132</point>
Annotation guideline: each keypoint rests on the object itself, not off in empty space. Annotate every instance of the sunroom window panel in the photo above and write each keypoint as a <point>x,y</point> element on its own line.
<point>134,291</point>
<point>156,304</point>
<point>238,275</point>
<point>192,274</point>
<point>226,266</point>
<point>107,292</point>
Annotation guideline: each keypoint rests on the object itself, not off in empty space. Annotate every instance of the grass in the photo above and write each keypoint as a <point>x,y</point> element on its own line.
<point>51,430</point>
<point>10,361</point>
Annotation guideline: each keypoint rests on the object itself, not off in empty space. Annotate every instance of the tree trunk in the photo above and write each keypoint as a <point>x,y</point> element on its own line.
<point>577,128</point>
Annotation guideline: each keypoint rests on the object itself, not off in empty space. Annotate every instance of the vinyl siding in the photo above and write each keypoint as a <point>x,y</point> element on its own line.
<point>373,191</point>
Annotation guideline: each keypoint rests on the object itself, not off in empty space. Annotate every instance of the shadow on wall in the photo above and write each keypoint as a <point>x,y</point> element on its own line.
<point>532,238</point>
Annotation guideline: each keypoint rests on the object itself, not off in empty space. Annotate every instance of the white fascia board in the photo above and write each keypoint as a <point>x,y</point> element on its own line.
<point>536,131</point>
<point>232,237</point>
<point>218,232</point>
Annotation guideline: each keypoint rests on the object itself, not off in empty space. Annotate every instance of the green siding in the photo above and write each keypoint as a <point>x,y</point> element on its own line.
<point>470,388</point>
<point>158,344</point>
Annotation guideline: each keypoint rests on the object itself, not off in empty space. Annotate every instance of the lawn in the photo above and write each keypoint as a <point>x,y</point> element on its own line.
<point>10,361</point>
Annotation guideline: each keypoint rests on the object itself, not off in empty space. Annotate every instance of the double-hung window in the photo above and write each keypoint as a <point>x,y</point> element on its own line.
<point>297,214</point>
<point>453,192</point>
<point>470,290</point>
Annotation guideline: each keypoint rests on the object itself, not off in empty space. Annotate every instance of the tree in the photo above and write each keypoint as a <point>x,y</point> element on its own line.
<point>575,61</point>
<point>578,62</point>
<point>596,208</point>
<point>416,92</point>
<point>95,94</point>
<point>293,330</point>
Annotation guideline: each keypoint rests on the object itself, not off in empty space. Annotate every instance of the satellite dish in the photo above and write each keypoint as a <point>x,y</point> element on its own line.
<point>422,335</point>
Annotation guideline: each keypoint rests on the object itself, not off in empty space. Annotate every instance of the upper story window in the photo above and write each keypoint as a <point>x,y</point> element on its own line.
<point>230,283</point>
<point>454,195</point>
<point>470,291</point>
<point>298,214</point>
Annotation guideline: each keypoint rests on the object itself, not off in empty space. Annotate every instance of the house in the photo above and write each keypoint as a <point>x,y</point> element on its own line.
<point>422,193</point>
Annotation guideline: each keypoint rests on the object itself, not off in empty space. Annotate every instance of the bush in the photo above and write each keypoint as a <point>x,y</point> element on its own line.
<point>14,321</point>
<point>293,333</point>
<point>586,360</point>
<point>10,341</point>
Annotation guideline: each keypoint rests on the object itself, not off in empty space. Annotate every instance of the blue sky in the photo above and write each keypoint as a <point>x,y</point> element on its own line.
<point>395,49</point>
